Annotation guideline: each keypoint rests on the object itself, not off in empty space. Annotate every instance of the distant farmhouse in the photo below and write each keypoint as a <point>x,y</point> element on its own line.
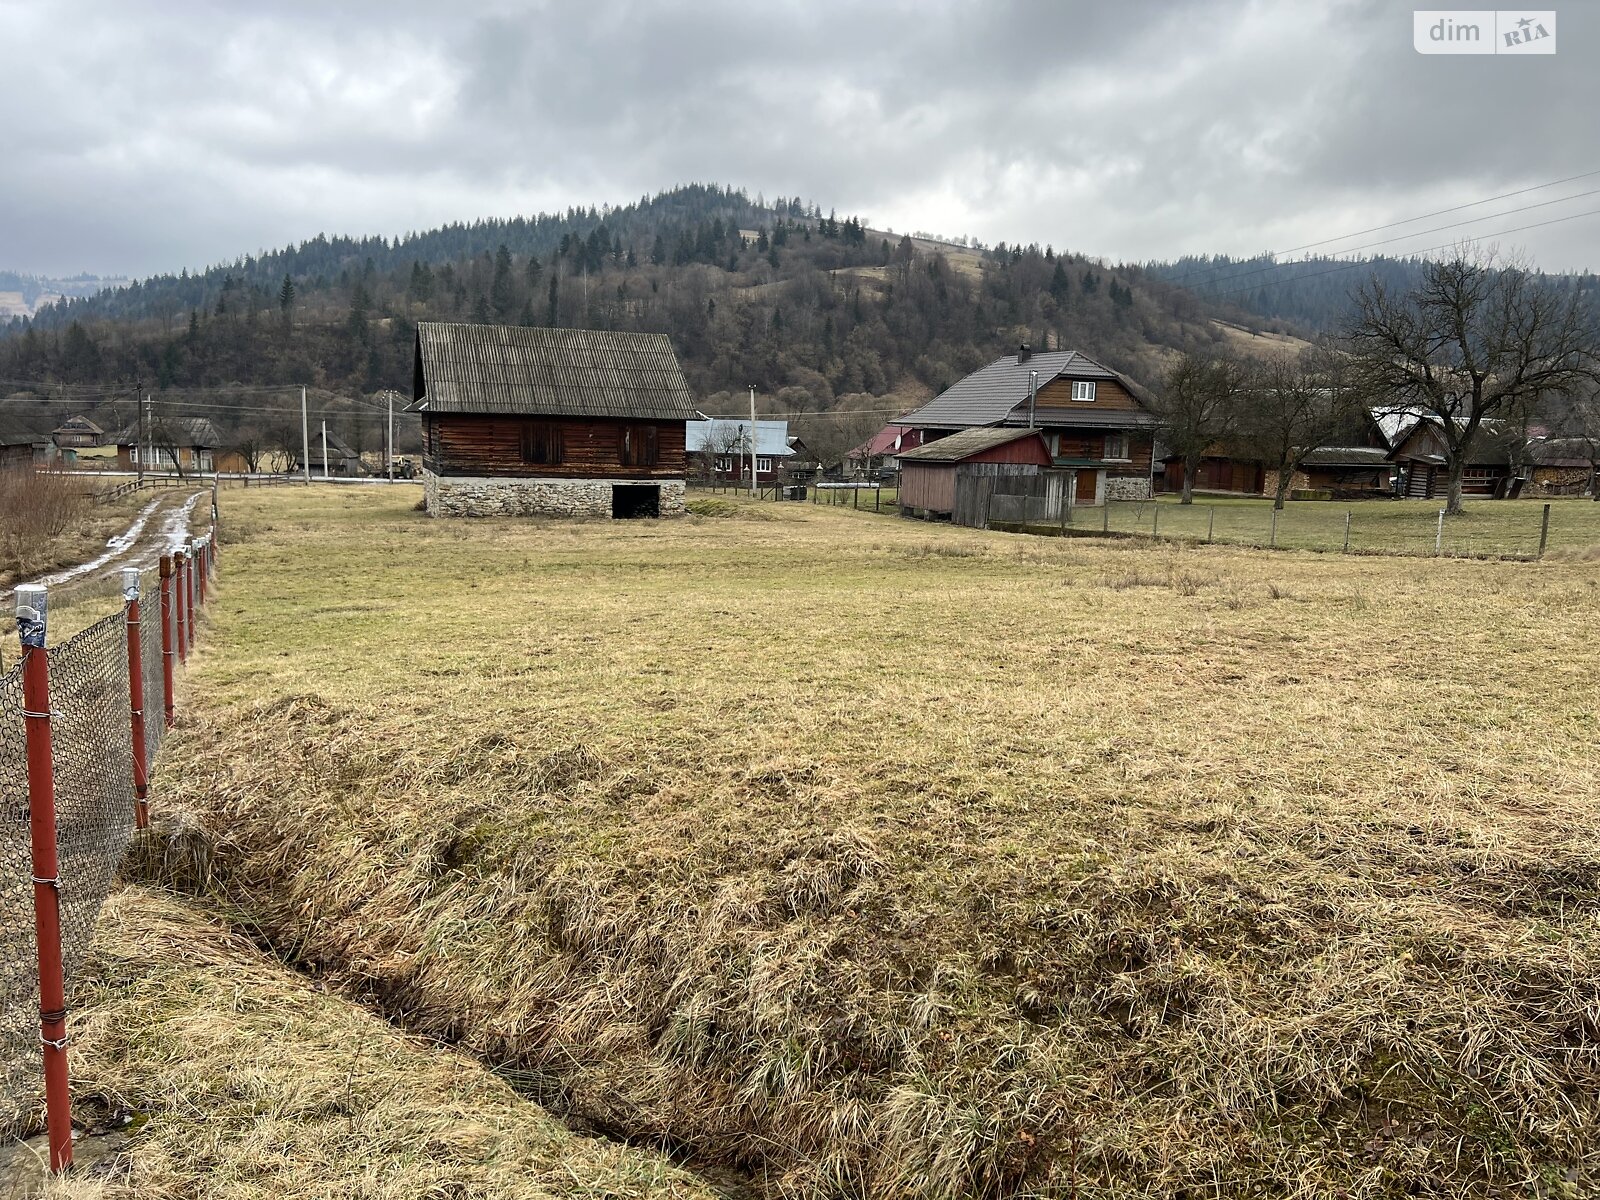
<point>184,445</point>
<point>22,445</point>
<point>339,462</point>
<point>550,422</point>
<point>719,449</point>
<point>880,453</point>
<point>1091,418</point>
<point>79,433</point>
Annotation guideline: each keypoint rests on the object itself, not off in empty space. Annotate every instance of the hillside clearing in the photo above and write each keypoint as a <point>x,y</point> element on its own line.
<point>887,859</point>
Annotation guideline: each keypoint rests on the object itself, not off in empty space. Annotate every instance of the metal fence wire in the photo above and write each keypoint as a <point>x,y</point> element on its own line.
<point>93,754</point>
<point>19,965</point>
<point>150,641</point>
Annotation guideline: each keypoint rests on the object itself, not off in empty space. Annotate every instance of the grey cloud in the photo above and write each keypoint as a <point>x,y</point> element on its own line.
<point>145,140</point>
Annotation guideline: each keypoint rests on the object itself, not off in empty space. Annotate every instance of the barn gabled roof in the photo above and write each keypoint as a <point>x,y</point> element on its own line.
<point>548,372</point>
<point>963,445</point>
<point>999,392</point>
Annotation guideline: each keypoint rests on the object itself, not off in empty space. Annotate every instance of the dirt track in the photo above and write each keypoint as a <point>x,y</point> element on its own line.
<point>162,525</point>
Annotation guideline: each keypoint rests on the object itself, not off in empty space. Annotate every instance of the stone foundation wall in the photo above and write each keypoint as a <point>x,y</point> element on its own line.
<point>486,496</point>
<point>1127,487</point>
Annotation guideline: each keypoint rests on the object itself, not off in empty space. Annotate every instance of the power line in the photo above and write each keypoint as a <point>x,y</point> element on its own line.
<point>1441,246</point>
<point>1413,220</point>
<point>1420,232</point>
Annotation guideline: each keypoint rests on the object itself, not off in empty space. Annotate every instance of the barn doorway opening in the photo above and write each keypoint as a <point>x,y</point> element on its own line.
<point>632,501</point>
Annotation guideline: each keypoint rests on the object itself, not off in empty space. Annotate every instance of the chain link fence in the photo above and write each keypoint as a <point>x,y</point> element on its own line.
<point>92,753</point>
<point>19,959</point>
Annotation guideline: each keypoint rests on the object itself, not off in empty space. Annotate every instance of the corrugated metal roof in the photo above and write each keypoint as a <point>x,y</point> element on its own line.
<point>999,391</point>
<point>964,444</point>
<point>1347,456</point>
<point>550,372</point>
<point>195,432</point>
<point>723,435</point>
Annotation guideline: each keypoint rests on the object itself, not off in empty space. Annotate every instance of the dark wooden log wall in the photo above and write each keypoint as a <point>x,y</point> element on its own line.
<point>470,444</point>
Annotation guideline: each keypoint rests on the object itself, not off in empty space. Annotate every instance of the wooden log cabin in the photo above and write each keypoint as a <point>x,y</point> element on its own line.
<point>550,422</point>
<point>1091,418</point>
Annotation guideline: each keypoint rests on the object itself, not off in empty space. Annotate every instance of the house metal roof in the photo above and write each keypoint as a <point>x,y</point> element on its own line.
<point>723,436</point>
<point>959,446</point>
<point>998,394</point>
<point>1347,456</point>
<point>548,372</point>
<point>195,432</point>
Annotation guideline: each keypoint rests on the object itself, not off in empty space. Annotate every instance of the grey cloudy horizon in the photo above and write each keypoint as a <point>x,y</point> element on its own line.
<point>144,139</point>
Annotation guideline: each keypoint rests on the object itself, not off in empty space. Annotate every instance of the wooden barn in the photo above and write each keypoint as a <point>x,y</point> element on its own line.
<point>957,476</point>
<point>550,422</point>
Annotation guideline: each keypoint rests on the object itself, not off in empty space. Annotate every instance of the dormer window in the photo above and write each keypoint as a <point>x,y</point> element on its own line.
<point>1083,389</point>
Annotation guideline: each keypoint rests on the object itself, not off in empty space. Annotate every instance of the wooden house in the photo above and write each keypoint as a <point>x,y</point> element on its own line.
<point>22,446</point>
<point>1563,466</point>
<point>339,461</point>
<point>558,422</point>
<point>1091,418</point>
<point>181,445</point>
<point>879,454</point>
<point>719,449</point>
<point>1416,447</point>
<point>956,476</point>
<point>78,433</point>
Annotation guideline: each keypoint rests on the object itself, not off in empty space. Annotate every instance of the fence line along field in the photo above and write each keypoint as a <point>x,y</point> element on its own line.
<point>886,859</point>
<point>219,1072</point>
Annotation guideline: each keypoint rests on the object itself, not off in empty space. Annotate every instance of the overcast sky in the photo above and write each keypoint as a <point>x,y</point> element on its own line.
<point>147,137</point>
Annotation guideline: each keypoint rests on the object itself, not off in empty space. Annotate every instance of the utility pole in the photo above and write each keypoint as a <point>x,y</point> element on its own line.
<point>305,436</point>
<point>138,458</point>
<point>324,450</point>
<point>752,440</point>
<point>388,456</point>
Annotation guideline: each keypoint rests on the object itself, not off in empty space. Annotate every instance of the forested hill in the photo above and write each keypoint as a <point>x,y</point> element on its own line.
<point>818,311</point>
<point>1313,293</point>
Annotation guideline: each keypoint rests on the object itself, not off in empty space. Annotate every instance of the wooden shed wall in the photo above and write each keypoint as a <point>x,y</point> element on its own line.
<point>473,444</point>
<point>930,486</point>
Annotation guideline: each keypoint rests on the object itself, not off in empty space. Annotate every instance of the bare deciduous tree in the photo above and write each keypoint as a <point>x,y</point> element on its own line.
<point>1291,406</point>
<point>1476,338</point>
<point>1199,405</point>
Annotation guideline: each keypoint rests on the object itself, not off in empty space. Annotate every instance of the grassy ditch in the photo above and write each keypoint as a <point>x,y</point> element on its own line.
<point>229,1076</point>
<point>893,860</point>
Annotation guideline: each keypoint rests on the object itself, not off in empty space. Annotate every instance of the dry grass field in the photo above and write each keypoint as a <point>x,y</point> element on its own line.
<point>240,1079</point>
<point>882,859</point>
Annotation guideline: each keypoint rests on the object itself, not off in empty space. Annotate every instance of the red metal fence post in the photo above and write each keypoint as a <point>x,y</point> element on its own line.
<point>200,571</point>
<point>166,637</point>
<point>141,767</point>
<point>188,600</point>
<point>180,626</point>
<point>31,622</point>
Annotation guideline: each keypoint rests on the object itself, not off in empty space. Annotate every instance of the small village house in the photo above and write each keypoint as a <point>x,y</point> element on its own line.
<point>878,455</point>
<point>957,477</point>
<point>338,462</point>
<point>181,445</point>
<point>558,422</point>
<point>1091,418</point>
<point>78,433</point>
<point>22,446</point>
<point>719,450</point>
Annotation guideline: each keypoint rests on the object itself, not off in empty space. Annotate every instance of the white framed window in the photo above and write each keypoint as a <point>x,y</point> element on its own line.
<point>763,466</point>
<point>1083,389</point>
<point>1117,447</point>
<point>133,455</point>
<point>725,464</point>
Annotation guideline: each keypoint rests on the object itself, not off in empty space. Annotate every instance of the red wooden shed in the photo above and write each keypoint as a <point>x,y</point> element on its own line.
<point>930,475</point>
